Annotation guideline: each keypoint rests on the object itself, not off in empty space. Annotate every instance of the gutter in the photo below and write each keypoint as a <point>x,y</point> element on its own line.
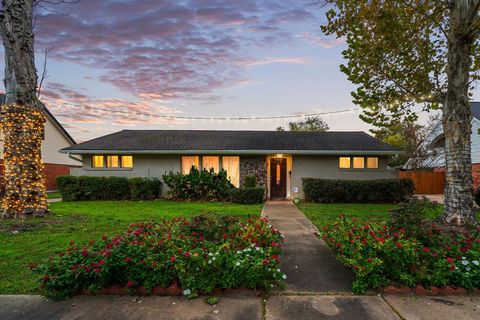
<point>233,152</point>
<point>74,158</point>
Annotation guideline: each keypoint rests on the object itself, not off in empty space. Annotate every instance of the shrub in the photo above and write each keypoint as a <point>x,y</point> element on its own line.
<point>232,253</point>
<point>145,189</point>
<point>348,191</point>
<point>247,195</point>
<point>107,188</point>
<point>198,185</point>
<point>250,182</point>
<point>477,196</point>
<point>410,215</point>
<point>381,256</point>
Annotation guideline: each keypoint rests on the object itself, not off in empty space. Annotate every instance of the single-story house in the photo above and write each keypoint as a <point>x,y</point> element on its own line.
<point>55,138</point>
<point>432,149</point>
<point>279,160</point>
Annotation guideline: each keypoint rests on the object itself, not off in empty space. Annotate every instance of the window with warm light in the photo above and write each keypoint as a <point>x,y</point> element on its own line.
<point>211,162</point>
<point>127,162</point>
<point>232,166</point>
<point>97,162</point>
<point>344,163</point>
<point>188,162</point>
<point>372,163</point>
<point>358,162</point>
<point>112,162</point>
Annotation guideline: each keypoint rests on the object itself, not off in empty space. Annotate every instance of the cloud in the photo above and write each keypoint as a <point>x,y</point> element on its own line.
<point>321,41</point>
<point>284,60</point>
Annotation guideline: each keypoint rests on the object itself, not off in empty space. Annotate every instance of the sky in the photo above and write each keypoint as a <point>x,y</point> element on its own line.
<point>245,58</point>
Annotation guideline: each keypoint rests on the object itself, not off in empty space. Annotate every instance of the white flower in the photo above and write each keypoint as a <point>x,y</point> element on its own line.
<point>278,270</point>
<point>464,262</point>
<point>237,263</point>
<point>213,258</point>
<point>284,276</point>
<point>209,261</point>
<point>475,262</point>
<point>468,268</point>
<point>257,248</point>
<point>210,254</point>
<point>463,258</point>
<point>187,292</point>
<point>238,252</point>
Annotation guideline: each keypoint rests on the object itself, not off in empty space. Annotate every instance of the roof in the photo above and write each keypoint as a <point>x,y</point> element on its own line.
<point>230,142</point>
<point>52,118</point>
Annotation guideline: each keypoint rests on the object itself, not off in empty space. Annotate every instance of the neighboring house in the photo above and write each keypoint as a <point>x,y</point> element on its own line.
<point>56,137</point>
<point>432,148</point>
<point>279,160</point>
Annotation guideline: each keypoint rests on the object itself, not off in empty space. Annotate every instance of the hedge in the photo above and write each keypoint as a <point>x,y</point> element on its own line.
<point>247,195</point>
<point>348,191</point>
<point>108,188</point>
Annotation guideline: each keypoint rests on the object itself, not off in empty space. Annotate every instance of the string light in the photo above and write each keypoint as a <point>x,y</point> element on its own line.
<point>23,130</point>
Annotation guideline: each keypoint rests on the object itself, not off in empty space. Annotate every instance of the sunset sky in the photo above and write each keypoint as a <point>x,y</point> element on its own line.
<point>195,58</point>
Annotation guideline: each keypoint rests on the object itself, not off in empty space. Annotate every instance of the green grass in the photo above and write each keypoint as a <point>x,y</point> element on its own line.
<point>322,214</point>
<point>53,195</point>
<point>81,221</point>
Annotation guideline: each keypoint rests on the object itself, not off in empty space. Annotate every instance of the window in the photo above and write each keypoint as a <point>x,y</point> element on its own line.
<point>127,162</point>
<point>232,166</point>
<point>188,163</point>
<point>372,163</point>
<point>112,162</point>
<point>344,162</point>
<point>358,162</point>
<point>97,162</point>
<point>211,162</point>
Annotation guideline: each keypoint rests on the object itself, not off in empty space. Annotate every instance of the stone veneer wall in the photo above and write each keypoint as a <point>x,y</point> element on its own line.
<point>254,166</point>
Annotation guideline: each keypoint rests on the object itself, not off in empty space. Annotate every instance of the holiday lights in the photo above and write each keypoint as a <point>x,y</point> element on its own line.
<point>23,130</point>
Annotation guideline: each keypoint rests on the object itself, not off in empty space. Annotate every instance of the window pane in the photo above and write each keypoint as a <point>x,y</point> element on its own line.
<point>232,166</point>
<point>112,161</point>
<point>188,163</point>
<point>211,162</point>
<point>344,162</point>
<point>127,161</point>
<point>372,163</point>
<point>97,162</point>
<point>358,162</point>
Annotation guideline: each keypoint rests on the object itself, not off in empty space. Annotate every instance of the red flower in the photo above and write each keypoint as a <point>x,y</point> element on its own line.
<point>104,237</point>
<point>399,245</point>
<point>127,259</point>
<point>130,284</point>
<point>97,270</point>
<point>381,240</point>
<point>71,242</point>
<point>187,254</point>
<point>265,261</point>
<point>172,259</point>
<point>355,267</point>
<point>450,260</point>
<point>426,249</point>
<point>370,260</point>
<point>225,236</point>
<point>452,267</point>
<point>84,252</point>
<point>101,262</point>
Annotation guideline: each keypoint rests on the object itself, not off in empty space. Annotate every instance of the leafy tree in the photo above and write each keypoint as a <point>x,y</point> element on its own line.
<point>310,124</point>
<point>402,53</point>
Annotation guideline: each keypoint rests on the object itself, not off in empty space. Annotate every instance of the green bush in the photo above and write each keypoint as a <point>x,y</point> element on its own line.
<point>247,195</point>
<point>107,188</point>
<point>357,191</point>
<point>410,215</point>
<point>199,255</point>
<point>250,182</point>
<point>145,189</point>
<point>198,185</point>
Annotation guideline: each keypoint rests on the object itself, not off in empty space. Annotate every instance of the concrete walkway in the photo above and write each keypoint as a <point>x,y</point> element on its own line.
<point>309,264</point>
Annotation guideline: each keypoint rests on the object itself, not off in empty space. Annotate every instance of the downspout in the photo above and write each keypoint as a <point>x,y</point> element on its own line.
<point>73,158</point>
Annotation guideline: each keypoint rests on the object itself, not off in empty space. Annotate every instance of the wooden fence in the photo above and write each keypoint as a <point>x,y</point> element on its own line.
<point>426,182</point>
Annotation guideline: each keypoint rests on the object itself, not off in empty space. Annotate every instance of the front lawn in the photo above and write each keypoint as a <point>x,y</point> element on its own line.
<point>30,242</point>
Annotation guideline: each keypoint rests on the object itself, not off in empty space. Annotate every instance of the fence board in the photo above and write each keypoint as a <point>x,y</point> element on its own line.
<point>426,182</point>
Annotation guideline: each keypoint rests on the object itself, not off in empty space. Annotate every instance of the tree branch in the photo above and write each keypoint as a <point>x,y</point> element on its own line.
<point>44,72</point>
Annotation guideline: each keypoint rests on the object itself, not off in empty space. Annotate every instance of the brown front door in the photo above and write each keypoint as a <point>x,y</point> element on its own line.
<point>278,178</point>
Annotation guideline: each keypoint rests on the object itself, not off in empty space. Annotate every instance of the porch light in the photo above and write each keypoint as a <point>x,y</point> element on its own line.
<point>279,155</point>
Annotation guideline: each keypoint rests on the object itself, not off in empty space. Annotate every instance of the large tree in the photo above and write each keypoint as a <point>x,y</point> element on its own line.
<point>402,53</point>
<point>21,118</point>
<point>309,124</point>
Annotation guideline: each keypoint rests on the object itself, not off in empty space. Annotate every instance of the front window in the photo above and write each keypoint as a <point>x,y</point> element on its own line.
<point>211,162</point>
<point>112,162</point>
<point>358,162</point>
<point>127,162</point>
<point>232,166</point>
<point>188,163</point>
<point>97,162</point>
<point>372,163</point>
<point>344,162</point>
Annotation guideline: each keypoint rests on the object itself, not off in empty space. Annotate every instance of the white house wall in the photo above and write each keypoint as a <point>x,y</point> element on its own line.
<point>475,141</point>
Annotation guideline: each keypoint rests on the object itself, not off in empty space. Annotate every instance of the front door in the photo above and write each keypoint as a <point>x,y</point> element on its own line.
<point>278,178</point>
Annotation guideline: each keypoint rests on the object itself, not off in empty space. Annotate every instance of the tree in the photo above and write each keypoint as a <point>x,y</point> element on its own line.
<point>310,124</point>
<point>402,53</point>
<point>22,117</point>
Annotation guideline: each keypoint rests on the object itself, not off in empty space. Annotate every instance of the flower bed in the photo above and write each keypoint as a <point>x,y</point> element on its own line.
<point>197,255</point>
<point>383,256</point>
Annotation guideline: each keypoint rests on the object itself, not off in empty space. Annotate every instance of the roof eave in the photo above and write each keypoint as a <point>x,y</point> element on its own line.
<point>236,152</point>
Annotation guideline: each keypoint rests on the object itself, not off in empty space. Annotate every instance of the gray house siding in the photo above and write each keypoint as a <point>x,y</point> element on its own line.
<point>326,167</point>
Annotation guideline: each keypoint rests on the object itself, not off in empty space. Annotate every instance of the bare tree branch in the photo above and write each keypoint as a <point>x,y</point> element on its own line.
<point>44,72</point>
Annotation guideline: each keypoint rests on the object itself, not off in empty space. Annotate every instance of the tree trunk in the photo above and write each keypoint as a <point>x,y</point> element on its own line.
<point>22,117</point>
<point>457,120</point>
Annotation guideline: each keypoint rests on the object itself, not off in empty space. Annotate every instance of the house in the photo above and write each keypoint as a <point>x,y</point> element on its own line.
<point>279,160</point>
<point>433,149</point>
<point>56,137</point>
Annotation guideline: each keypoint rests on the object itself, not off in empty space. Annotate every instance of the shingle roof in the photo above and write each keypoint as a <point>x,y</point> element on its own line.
<point>183,141</point>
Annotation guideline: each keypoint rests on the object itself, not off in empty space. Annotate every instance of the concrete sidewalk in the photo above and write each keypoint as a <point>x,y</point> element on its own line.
<point>309,264</point>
